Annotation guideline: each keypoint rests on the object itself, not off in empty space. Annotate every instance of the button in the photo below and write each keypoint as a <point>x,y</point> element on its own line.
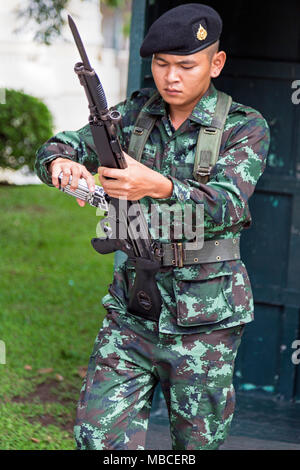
<point>196,260</point>
<point>217,243</point>
<point>234,241</point>
<point>218,258</point>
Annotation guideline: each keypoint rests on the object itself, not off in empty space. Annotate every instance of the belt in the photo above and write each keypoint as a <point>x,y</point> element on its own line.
<point>226,249</point>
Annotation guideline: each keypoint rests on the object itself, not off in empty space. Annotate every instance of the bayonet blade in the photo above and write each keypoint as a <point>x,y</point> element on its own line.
<point>79,44</point>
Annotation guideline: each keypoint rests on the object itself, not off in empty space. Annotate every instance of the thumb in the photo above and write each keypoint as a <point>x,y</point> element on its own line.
<point>80,202</point>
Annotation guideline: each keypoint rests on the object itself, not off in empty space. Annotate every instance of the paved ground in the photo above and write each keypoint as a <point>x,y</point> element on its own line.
<point>159,439</point>
<point>247,443</point>
<point>260,423</point>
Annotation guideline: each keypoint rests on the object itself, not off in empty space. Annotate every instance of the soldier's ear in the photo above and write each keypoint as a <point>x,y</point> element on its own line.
<point>217,64</point>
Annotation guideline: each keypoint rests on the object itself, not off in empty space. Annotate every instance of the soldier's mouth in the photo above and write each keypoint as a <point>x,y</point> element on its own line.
<point>172,91</point>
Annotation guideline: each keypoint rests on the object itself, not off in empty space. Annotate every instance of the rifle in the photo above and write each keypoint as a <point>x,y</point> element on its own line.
<point>143,252</point>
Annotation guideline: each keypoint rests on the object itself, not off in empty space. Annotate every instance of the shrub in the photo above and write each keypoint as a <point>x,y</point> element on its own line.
<point>25,124</point>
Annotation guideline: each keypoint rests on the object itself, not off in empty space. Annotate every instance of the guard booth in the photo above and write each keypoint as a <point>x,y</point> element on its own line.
<point>263,71</point>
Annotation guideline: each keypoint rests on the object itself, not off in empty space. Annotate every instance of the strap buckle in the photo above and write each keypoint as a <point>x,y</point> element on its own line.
<point>203,171</point>
<point>210,130</point>
<point>138,131</point>
<point>178,255</point>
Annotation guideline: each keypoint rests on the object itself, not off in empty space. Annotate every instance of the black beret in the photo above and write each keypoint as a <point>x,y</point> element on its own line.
<point>183,30</point>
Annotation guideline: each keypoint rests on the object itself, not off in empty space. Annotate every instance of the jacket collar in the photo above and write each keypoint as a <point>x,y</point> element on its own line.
<point>202,113</point>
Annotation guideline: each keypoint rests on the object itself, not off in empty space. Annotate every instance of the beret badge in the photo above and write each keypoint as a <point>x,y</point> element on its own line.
<point>201,33</point>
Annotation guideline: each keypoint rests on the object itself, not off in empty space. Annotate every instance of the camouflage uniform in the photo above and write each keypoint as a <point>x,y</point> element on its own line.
<point>192,349</point>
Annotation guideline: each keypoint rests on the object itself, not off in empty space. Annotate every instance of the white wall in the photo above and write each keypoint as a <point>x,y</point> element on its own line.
<point>47,71</point>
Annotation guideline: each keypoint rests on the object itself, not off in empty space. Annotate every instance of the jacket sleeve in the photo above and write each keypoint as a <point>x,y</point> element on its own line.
<point>233,179</point>
<point>74,145</point>
<point>79,145</point>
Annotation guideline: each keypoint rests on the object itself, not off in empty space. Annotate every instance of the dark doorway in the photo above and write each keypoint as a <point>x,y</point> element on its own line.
<point>262,40</point>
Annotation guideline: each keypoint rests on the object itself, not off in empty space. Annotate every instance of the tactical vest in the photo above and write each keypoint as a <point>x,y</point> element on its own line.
<point>206,156</point>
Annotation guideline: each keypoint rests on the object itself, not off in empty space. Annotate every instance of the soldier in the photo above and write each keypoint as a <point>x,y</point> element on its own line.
<point>206,293</point>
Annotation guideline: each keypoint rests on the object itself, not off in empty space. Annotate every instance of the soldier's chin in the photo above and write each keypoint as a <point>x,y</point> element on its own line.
<point>177,98</point>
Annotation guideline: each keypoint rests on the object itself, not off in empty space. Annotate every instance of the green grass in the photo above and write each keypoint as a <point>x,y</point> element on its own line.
<point>51,285</point>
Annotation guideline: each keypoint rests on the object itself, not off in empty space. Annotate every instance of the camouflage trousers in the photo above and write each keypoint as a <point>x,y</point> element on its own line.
<point>130,357</point>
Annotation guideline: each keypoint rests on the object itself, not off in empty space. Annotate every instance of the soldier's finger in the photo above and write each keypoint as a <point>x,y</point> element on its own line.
<point>66,177</point>
<point>80,202</point>
<point>117,194</point>
<point>89,179</point>
<point>56,170</point>
<point>114,173</point>
<point>75,177</point>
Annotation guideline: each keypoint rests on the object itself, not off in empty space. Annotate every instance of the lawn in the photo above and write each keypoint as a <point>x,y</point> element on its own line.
<point>52,282</point>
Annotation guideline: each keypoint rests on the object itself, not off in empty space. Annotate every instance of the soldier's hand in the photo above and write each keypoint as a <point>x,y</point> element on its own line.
<point>134,182</point>
<point>70,168</point>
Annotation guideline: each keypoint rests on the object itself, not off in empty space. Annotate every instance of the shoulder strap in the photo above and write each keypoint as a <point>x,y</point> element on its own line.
<point>142,129</point>
<point>209,140</point>
<point>208,143</point>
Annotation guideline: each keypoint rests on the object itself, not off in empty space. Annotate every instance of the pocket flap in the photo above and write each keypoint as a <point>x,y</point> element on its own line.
<point>202,302</point>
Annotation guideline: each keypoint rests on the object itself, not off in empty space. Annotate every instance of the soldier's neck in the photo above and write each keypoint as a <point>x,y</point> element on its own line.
<point>178,116</point>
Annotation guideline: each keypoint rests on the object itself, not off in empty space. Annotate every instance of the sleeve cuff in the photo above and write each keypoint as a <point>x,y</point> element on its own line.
<point>181,192</point>
<point>43,171</point>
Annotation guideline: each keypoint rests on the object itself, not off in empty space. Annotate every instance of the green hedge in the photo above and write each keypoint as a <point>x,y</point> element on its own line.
<point>25,124</point>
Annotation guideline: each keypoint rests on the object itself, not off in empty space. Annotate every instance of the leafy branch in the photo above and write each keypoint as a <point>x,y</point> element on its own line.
<point>48,16</point>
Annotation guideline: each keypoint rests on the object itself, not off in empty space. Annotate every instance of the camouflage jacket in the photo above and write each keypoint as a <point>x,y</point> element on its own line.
<point>206,296</point>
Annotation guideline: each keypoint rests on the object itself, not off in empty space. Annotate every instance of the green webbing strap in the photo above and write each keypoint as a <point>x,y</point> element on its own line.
<point>209,140</point>
<point>142,129</point>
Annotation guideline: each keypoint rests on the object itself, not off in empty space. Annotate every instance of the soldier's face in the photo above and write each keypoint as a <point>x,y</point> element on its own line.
<point>183,80</point>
